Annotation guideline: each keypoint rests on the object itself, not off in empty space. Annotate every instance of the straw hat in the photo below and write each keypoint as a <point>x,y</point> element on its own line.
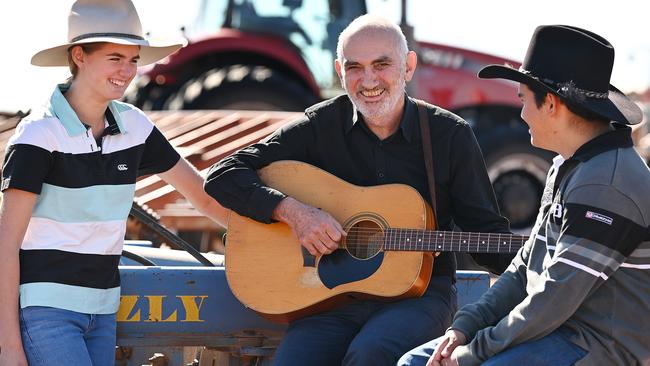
<point>113,21</point>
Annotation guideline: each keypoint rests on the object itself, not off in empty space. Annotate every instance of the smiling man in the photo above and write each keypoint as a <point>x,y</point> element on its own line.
<point>368,137</point>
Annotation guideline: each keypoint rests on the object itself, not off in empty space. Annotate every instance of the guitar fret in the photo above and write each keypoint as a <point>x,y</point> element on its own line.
<point>417,241</point>
<point>387,239</point>
<point>471,240</point>
<point>443,245</point>
<point>399,240</point>
<point>510,245</point>
<point>395,239</point>
<point>425,242</point>
<point>407,239</point>
<point>407,243</point>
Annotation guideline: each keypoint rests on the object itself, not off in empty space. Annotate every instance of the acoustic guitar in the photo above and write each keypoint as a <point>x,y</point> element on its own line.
<point>387,254</point>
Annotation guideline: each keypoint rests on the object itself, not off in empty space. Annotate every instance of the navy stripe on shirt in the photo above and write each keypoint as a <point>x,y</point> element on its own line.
<point>605,227</point>
<point>21,156</point>
<point>77,269</point>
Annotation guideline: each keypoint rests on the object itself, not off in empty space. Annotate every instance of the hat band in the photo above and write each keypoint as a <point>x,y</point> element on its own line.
<point>102,35</point>
<point>567,88</point>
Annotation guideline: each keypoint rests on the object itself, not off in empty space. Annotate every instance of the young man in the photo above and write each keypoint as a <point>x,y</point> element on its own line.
<point>368,137</point>
<point>578,292</point>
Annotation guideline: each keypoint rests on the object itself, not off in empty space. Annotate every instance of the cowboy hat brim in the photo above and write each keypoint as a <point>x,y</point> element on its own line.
<point>616,107</point>
<point>150,52</point>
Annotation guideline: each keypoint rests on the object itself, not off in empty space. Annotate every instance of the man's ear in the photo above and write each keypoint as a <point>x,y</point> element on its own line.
<point>339,70</point>
<point>552,102</point>
<point>411,64</point>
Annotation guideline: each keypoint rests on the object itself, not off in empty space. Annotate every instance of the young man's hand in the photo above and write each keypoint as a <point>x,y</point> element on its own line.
<point>443,354</point>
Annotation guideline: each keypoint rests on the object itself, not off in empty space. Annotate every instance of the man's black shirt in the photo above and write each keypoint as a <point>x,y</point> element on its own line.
<point>333,136</point>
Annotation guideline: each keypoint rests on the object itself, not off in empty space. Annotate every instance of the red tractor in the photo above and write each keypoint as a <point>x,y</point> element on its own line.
<point>278,55</point>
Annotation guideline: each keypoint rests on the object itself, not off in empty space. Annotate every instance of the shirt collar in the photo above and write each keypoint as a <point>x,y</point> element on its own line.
<point>60,108</point>
<point>407,124</point>
<point>557,162</point>
<point>620,137</point>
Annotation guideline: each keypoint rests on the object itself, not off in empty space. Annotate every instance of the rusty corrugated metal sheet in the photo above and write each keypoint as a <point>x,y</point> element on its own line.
<point>202,137</point>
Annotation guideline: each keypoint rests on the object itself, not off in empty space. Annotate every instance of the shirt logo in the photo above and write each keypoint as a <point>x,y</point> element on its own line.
<point>122,167</point>
<point>599,217</point>
<point>556,209</point>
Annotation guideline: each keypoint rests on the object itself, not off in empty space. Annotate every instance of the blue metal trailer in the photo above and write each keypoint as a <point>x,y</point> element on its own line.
<point>179,313</point>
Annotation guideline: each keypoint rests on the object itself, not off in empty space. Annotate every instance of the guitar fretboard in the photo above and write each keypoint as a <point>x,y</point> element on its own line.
<point>451,241</point>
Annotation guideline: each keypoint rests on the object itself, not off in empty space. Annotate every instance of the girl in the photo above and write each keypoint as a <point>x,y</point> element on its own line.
<point>68,182</point>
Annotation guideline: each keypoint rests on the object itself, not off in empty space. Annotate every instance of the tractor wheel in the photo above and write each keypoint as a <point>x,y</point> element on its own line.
<point>518,176</point>
<point>246,87</point>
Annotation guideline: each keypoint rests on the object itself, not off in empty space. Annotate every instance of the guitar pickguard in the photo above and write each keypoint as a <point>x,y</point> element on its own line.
<point>340,268</point>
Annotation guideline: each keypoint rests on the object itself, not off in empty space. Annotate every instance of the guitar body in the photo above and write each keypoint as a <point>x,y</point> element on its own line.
<point>270,272</point>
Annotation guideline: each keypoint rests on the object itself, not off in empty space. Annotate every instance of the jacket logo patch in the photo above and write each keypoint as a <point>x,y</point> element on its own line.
<point>599,217</point>
<point>122,167</point>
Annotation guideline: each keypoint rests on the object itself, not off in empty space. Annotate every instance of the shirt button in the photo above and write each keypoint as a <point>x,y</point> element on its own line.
<point>381,175</point>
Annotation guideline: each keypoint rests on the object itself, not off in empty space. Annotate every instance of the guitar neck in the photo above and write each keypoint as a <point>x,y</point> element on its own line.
<point>451,241</point>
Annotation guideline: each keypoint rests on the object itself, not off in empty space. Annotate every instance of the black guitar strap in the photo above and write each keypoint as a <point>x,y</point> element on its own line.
<point>428,153</point>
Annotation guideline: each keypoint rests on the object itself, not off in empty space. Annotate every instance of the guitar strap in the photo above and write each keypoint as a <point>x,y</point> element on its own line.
<point>428,153</point>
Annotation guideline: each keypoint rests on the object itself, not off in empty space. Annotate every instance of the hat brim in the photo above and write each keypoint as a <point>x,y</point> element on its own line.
<point>150,51</point>
<point>616,107</point>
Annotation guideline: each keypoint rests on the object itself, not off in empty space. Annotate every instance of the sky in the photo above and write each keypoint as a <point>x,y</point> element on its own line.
<point>499,27</point>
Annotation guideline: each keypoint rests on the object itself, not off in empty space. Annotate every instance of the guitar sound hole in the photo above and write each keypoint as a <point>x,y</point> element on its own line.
<point>365,239</point>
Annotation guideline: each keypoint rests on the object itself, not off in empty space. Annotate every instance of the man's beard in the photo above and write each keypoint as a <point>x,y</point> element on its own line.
<point>385,106</point>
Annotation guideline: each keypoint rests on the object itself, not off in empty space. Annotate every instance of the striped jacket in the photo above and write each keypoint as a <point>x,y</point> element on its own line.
<point>586,265</point>
<point>70,253</point>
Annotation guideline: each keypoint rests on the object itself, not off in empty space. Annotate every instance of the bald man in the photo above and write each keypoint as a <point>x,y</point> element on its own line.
<point>369,136</point>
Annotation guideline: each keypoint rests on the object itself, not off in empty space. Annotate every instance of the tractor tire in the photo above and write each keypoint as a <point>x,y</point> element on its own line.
<point>243,87</point>
<point>518,175</point>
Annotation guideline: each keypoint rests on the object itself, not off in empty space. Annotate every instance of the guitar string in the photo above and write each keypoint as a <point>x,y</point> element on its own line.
<point>491,237</point>
<point>494,240</point>
<point>435,246</point>
<point>428,233</point>
<point>432,247</point>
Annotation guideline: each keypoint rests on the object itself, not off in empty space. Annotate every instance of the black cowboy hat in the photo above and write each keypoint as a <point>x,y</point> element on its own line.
<point>574,64</point>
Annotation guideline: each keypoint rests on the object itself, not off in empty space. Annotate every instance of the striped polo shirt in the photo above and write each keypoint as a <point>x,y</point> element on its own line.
<point>71,250</point>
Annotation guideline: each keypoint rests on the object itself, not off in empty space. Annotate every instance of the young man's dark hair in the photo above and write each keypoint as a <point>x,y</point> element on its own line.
<point>540,93</point>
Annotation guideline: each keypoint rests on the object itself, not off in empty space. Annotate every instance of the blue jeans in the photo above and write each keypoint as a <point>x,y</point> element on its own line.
<point>554,349</point>
<point>368,332</point>
<point>61,337</point>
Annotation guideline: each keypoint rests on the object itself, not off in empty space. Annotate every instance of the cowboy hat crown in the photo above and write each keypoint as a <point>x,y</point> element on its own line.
<point>114,21</point>
<point>574,64</point>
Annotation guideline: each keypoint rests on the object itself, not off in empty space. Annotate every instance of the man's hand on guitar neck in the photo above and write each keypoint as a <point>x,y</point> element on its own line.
<point>316,230</point>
